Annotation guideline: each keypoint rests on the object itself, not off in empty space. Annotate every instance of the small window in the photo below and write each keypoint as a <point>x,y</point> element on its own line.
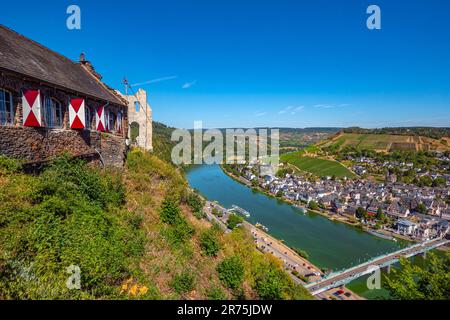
<point>137,105</point>
<point>89,118</point>
<point>52,113</point>
<point>112,121</point>
<point>6,108</point>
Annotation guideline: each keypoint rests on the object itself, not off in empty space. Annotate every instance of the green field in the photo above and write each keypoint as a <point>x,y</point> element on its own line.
<point>318,167</point>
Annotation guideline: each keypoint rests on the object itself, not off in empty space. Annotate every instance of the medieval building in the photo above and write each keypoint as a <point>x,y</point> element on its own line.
<point>140,120</point>
<point>50,104</point>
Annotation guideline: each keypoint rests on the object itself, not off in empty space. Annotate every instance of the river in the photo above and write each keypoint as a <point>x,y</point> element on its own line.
<point>329,244</point>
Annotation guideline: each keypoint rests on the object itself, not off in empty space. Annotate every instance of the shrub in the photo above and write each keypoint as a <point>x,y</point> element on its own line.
<point>180,230</point>
<point>170,212</point>
<point>231,272</point>
<point>183,282</point>
<point>216,293</point>
<point>180,233</point>
<point>8,165</point>
<point>209,243</point>
<point>195,202</point>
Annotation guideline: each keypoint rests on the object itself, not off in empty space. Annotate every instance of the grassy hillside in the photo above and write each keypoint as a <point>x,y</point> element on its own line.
<point>134,234</point>
<point>317,166</point>
<point>386,142</point>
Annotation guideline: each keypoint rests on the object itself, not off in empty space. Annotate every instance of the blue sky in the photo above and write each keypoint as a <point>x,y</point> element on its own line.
<point>262,63</point>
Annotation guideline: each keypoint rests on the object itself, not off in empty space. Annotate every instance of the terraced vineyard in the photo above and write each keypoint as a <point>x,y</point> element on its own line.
<point>317,166</point>
<point>387,142</point>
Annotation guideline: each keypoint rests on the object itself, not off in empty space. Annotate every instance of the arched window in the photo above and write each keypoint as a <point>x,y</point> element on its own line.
<point>6,108</point>
<point>137,106</point>
<point>52,113</point>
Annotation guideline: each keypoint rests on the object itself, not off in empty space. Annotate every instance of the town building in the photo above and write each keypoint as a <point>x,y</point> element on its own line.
<point>50,105</point>
<point>406,227</point>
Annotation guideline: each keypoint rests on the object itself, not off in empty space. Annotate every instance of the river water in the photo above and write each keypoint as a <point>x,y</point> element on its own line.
<point>329,244</point>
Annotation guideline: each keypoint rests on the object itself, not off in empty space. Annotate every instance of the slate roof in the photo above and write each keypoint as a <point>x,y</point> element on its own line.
<point>24,56</point>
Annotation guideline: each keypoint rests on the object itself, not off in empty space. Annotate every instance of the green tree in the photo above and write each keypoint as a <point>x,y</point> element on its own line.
<point>231,272</point>
<point>422,208</point>
<point>430,282</point>
<point>233,221</point>
<point>313,205</point>
<point>361,213</point>
<point>380,215</point>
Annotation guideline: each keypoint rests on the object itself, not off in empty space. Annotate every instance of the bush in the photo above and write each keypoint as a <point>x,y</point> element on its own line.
<point>8,165</point>
<point>180,233</point>
<point>170,212</point>
<point>195,203</point>
<point>231,272</point>
<point>209,243</point>
<point>180,230</point>
<point>183,282</point>
<point>216,293</point>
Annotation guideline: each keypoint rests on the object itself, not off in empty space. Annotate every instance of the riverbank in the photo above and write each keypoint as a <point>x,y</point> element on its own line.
<point>329,215</point>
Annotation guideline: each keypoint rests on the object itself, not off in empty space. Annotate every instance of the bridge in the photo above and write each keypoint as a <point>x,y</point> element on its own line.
<point>340,278</point>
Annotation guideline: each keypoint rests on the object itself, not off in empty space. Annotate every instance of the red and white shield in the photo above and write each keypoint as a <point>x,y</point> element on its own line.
<point>31,106</point>
<point>100,119</point>
<point>77,115</point>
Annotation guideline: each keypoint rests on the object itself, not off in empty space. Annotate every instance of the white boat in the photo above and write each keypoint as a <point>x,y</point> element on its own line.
<point>240,210</point>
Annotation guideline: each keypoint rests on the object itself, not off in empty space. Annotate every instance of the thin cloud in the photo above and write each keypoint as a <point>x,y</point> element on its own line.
<point>260,114</point>
<point>154,81</point>
<point>293,110</point>
<point>188,85</point>
<point>331,106</point>
<point>285,110</point>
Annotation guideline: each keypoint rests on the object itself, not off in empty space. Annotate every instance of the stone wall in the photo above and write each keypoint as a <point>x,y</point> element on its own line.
<point>40,144</point>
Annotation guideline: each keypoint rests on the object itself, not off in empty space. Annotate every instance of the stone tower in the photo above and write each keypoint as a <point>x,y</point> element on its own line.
<point>140,120</point>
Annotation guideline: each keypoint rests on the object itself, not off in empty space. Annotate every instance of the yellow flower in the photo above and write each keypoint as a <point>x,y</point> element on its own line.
<point>134,290</point>
<point>143,290</point>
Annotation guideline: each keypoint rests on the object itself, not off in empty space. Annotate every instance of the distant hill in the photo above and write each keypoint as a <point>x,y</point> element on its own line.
<point>382,142</point>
